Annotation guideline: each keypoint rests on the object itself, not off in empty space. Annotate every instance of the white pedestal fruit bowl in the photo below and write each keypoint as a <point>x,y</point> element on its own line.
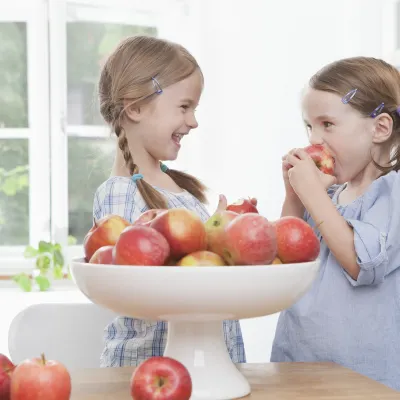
<point>195,301</point>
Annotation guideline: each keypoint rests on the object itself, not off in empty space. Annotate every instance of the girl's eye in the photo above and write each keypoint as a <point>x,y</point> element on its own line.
<point>327,124</point>
<point>185,107</point>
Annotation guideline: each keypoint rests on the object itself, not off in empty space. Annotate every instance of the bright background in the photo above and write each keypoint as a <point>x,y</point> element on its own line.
<point>256,56</point>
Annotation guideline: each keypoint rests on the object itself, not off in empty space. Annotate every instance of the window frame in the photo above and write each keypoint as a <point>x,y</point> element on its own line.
<point>47,21</point>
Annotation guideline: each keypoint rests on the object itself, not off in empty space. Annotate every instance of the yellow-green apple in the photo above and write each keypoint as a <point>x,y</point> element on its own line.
<point>183,229</point>
<point>103,255</point>
<point>250,239</point>
<point>297,241</point>
<point>147,216</point>
<point>243,206</point>
<point>215,226</point>
<point>104,232</point>
<point>322,158</point>
<point>141,245</point>
<point>161,378</point>
<point>201,258</point>
<point>40,379</point>
<point>6,369</point>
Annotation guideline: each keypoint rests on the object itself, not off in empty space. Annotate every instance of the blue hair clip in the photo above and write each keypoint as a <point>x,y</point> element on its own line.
<point>136,177</point>
<point>348,96</point>
<point>163,167</point>
<point>398,111</point>
<point>377,110</point>
<point>156,85</point>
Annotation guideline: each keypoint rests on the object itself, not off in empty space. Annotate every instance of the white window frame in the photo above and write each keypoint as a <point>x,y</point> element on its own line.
<point>33,13</point>
<point>46,21</point>
<point>390,25</point>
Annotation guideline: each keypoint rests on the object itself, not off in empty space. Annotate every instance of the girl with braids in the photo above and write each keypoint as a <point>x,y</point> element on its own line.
<point>149,89</point>
<point>351,314</point>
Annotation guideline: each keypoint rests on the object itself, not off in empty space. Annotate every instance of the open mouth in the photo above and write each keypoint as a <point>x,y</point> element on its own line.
<point>176,138</point>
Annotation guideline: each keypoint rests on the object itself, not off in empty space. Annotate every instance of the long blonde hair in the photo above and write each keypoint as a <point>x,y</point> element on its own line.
<point>376,82</point>
<point>127,75</point>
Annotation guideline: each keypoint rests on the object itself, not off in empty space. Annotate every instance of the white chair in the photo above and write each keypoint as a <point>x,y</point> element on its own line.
<point>69,333</point>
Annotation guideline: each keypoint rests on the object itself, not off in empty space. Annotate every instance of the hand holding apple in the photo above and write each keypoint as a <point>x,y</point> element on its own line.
<point>40,379</point>
<point>322,158</point>
<point>161,378</point>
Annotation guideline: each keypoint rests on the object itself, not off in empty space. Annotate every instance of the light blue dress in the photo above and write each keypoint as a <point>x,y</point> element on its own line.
<point>353,323</point>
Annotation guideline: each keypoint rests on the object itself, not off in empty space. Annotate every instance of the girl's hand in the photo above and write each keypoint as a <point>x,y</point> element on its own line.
<point>304,176</point>
<point>223,203</point>
<point>290,193</point>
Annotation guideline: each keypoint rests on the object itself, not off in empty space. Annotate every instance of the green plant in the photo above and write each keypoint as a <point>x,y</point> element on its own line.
<point>49,258</point>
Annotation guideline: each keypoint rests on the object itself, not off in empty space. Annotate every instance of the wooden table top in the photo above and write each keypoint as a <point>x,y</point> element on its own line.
<point>271,381</point>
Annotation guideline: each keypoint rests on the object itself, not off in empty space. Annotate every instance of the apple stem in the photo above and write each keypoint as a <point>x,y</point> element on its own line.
<point>43,359</point>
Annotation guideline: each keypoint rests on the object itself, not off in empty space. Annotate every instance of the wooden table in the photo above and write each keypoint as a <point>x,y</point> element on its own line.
<point>271,381</point>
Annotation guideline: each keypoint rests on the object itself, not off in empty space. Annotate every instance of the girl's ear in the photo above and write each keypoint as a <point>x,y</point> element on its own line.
<point>133,111</point>
<point>383,128</point>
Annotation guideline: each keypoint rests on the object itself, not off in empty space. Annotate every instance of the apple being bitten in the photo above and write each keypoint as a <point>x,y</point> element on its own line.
<point>322,158</point>
<point>250,239</point>
<point>201,258</point>
<point>297,241</point>
<point>40,379</point>
<point>141,245</point>
<point>215,229</point>
<point>243,206</point>
<point>6,369</point>
<point>161,378</point>
<point>103,255</point>
<point>104,232</point>
<point>183,229</point>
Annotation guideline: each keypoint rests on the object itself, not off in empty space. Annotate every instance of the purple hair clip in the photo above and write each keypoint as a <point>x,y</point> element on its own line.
<point>156,85</point>
<point>348,96</point>
<point>398,111</point>
<point>377,110</point>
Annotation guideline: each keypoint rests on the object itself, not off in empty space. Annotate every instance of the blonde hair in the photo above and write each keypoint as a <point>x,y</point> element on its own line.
<point>376,82</point>
<point>128,75</point>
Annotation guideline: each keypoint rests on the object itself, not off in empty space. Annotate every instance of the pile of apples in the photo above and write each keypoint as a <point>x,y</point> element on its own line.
<point>34,379</point>
<point>236,236</point>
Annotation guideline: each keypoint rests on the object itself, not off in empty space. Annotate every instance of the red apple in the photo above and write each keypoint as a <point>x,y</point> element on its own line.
<point>40,379</point>
<point>103,255</point>
<point>183,229</point>
<point>161,378</point>
<point>141,245</point>
<point>104,232</point>
<point>201,258</point>
<point>146,217</point>
<point>322,158</point>
<point>243,206</point>
<point>6,369</point>
<point>215,229</point>
<point>297,241</point>
<point>250,239</point>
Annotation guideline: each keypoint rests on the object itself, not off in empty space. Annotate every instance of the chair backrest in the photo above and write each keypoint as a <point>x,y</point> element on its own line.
<point>69,333</point>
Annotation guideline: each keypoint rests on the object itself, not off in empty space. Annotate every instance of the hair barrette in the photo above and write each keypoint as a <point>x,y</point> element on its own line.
<point>348,96</point>
<point>398,111</point>
<point>377,110</point>
<point>156,85</point>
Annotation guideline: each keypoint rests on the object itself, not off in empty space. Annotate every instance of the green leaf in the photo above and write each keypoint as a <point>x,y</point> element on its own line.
<point>72,240</point>
<point>42,282</point>
<point>23,281</point>
<point>43,262</point>
<point>58,272</point>
<point>45,247</point>
<point>58,258</point>
<point>30,252</point>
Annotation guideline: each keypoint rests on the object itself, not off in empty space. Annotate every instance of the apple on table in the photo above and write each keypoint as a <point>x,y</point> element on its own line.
<point>6,369</point>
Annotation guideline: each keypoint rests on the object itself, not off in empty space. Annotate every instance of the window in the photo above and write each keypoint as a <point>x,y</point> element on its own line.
<point>54,146</point>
